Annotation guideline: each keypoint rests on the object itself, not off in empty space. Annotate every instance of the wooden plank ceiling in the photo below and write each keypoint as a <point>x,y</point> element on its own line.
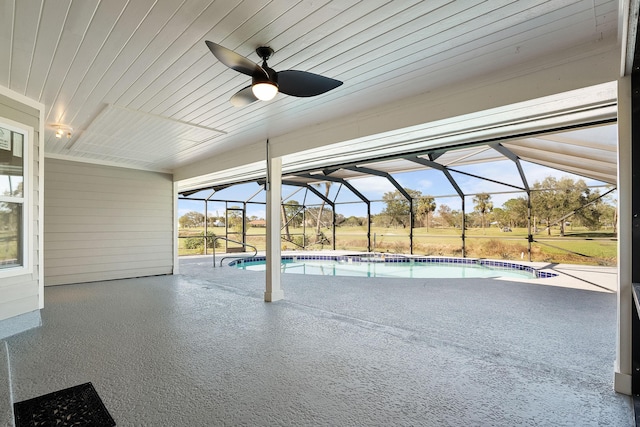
<point>139,87</point>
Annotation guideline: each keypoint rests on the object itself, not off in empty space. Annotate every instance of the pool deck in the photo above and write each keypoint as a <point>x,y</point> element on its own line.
<point>202,348</point>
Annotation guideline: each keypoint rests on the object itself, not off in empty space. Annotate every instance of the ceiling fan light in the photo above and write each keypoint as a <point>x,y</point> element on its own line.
<point>264,91</point>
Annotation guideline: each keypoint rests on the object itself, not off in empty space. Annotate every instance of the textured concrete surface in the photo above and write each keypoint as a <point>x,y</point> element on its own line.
<point>203,349</point>
<point>6,403</point>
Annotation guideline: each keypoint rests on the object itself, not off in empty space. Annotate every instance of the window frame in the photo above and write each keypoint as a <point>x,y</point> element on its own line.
<point>26,200</point>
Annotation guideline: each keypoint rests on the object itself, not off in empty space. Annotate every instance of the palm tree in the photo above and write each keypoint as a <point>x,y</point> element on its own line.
<point>483,205</point>
<point>426,205</point>
<point>327,187</point>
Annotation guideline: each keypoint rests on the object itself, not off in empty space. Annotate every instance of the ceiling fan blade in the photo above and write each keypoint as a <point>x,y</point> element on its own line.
<point>303,83</point>
<point>235,61</point>
<point>243,97</point>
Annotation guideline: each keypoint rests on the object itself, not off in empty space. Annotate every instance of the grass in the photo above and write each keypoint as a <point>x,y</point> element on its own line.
<point>578,246</point>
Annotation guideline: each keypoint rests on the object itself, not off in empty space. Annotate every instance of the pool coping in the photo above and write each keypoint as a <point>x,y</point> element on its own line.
<point>395,258</point>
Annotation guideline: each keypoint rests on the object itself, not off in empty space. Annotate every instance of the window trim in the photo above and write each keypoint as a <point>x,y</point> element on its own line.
<point>26,200</point>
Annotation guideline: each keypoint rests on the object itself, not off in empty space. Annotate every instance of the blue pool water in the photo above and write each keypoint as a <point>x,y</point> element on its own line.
<point>395,266</point>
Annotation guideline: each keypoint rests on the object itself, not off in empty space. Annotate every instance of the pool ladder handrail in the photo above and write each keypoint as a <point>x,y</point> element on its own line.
<point>255,250</point>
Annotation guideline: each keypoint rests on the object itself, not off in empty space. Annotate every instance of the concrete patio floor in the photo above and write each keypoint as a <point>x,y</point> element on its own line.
<point>203,349</point>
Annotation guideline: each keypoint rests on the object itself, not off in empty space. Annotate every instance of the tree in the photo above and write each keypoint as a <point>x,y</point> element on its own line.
<point>234,218</point>
<point>450,217</point>
<point>397,206</point>
<point>313,216</point>
<point>285,221</point>
<point>191,219</point>
<point>517,211</point>
<point>354,221</point>
<point>483,205</point>
<point>327,188</point>
<point>293,213</point>
<point>381,220</point>
<point>424,206</point>
<point>609,215</point>
<point>553,199</point>
<point>473,220</point>
<point>501,216</point>
<point>591,211</point>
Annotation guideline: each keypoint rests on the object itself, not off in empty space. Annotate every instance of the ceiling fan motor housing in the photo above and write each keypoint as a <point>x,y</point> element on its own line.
<point>264,52</point>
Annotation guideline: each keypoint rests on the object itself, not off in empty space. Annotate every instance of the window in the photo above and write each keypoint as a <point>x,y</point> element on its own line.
<point>14,199</point>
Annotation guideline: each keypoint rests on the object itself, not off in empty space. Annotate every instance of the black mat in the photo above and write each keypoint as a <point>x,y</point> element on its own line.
<point>74,406</point>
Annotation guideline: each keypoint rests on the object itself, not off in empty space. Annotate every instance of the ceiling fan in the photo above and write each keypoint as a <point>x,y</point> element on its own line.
<point>266,82</point>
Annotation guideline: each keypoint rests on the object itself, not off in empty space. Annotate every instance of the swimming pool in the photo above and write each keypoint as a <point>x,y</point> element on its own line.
<point>382,265</point>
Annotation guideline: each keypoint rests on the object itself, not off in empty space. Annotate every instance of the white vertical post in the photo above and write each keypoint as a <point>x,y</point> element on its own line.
<point>623,364</point>
<point>176,243</point>
<point>41,179</point>
<point>273,291</point>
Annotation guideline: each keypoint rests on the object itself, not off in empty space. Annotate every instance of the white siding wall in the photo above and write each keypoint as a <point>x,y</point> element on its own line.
<point>103,223</point>
<point>21,294</point>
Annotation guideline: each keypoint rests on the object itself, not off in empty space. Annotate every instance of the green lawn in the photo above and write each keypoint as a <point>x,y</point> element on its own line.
<point>581,246</point>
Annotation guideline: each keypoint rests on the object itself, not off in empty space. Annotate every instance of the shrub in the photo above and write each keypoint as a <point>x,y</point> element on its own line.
<point>194,243</point>
<point>198,242</point>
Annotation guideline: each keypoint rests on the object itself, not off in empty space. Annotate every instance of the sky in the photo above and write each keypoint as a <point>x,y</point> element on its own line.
<point>428,182</point>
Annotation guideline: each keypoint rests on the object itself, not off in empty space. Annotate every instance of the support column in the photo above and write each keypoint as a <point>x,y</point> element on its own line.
<point>206,228</point>
<point>369,227</point>
<point>273,291</point>
<point>333,227</point>
<point>411,225</point>
<point>623,363</point>
<point>176,244</point>
<point>244,225</point>
<point>529,229</point>
<point>464,228</point>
